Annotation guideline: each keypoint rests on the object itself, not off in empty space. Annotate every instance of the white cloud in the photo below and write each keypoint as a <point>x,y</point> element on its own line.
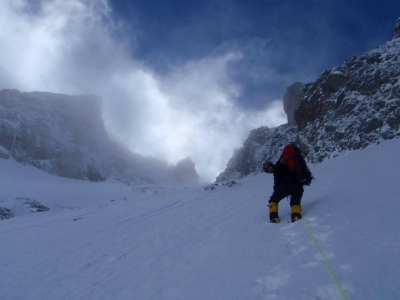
<point>69,47</point>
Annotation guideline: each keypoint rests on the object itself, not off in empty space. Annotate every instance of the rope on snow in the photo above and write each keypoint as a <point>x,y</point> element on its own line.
<point>324,259</point>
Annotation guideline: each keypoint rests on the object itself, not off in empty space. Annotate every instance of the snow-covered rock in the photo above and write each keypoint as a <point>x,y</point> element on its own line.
<point>59,134</point>
<point>347,108</point>
<point>353,105</point>
<point>65,135</point>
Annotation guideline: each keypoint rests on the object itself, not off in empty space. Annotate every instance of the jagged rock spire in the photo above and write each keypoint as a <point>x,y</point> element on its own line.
<point>397,29</point>
<point>291,99</point>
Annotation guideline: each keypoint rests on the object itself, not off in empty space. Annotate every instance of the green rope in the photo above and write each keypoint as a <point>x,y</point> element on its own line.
<point>325,261</point>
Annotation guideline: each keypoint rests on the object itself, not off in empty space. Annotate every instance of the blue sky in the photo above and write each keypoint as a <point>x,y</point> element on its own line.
<point>184,78</point>
<point>293,40</point>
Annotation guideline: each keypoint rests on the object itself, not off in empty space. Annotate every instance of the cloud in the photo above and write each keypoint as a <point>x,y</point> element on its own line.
<point>76,47</point>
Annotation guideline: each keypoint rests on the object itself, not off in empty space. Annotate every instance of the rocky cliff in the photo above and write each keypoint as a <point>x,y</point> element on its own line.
<point>65,135</point>
<point>291,100</point>
<point>397,29</point>
<point>346,108</point>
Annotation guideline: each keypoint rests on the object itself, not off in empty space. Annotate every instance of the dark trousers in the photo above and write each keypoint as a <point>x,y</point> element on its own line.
<point>295,192</point>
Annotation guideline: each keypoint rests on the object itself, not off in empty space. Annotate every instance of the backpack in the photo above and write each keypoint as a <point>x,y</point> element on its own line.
<point>294,160</point>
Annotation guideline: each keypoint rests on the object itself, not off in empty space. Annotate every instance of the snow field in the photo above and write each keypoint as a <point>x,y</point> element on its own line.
<point>113,241</point>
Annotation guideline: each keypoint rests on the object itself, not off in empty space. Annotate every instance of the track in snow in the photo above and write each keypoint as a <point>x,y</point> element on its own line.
<point>174,242</point>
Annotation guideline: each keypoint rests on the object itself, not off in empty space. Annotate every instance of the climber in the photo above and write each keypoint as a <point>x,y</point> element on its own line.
<point>290,174</point>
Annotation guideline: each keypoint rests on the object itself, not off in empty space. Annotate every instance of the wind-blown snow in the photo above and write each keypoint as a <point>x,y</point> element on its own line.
<point>112,241</point>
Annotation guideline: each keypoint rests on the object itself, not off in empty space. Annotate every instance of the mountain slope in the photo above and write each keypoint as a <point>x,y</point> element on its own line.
<point>347,108</point>
<point>108,240</point>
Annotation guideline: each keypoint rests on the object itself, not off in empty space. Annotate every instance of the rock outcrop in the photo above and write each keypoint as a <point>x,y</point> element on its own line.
<point>353,105</point>
<point>185,171</point>
<point>397,29</point>
<point>263,144</point>
<point>346,108</point>
<point>291,100</point>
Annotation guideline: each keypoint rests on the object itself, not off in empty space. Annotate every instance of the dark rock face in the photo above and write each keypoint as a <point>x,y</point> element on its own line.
<point>347,108</point>
<point>353,105</point>
<point>15,206</point>
<point>6,213</point>
<point>263,144</point>
<point>397,29</point>
<point>33,205</point>
<point>291,99</point>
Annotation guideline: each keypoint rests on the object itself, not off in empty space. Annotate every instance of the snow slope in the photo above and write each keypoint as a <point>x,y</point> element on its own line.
<point>108,240</point>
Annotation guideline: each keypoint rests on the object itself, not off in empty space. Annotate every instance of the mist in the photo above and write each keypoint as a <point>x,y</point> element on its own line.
<point>77,47</point>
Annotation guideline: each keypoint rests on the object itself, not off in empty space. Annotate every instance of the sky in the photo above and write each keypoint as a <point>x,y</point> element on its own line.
<point>184,78</point>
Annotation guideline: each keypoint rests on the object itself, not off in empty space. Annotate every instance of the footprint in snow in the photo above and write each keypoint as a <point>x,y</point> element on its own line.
<point>299,250</point>
<point>273,282</point>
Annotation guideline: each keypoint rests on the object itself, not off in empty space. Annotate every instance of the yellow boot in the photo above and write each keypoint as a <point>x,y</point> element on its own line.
<point>273,212</point>
<point>296,213</point>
